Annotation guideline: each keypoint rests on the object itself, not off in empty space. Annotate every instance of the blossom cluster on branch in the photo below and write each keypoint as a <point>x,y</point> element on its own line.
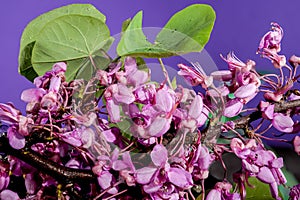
<point>120,135</point>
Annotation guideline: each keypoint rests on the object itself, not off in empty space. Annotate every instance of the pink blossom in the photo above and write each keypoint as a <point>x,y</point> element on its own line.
<point>295,192</point>
<point>221,191</point>
<point>245,91</point>
<point>267,109</point>
<point>260,163</point>
<point>195,76</point>
<point>9,195</point>
<point>283,122</point>
<point>272,39</point>
<point>296,143</point>
<point>154,178</point>
<point>233,108</point>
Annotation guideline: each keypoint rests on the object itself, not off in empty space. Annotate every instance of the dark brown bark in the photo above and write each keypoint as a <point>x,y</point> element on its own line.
<point>60,173</point>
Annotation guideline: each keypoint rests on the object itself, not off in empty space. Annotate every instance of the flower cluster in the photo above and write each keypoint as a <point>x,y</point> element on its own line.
<point>120,135</point>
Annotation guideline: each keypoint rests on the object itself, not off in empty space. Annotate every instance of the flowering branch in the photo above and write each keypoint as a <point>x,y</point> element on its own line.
<point>244,121</point>
<point>114,133</point>
<point>58,172</point>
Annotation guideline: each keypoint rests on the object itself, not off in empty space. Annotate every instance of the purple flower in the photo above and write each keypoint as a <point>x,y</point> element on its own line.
<point>270,45</point>
<point>221,191</point>
<point>9,114</point>
<point>283,122</point>
<point>295,192</point>
<point>267,109</point>
<point>296,144</point>
<point>19,125</point>
<point>16,140</point>
<point>135,77</point>
<point>201,162</point>
<point>116,95</point>
<point>246,91</point>
<point>4,180</point>
<point>245,77</point>
<point>81,136</point>
<point>272,39</point>
<point>195,76</point>
<point>107,78</point>
<point>260,163</point>
<point>9,195</point>
<point>155,179</point>
<point>145,93</point>
<point>33,95</point>
<point>104,176</point>
<point>58,70</point>
<point>233,108</point>
<point>235,64</point>
<point>154,119</point>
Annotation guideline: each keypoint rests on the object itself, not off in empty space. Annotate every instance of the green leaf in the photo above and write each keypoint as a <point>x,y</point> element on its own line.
<point>174,83</point>
<point>34,28</point>
<point>187,31</point>
<point>133,41</point>
<point>261,191</point>
<point>226,119</point>
<point>125,24</point>
<point>72,38</point>
<point>25,65</point>
<point>231,96</point>
<point>291,181</point>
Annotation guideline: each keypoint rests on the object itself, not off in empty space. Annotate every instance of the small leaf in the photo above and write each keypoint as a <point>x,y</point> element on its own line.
<point>174,83</point>
<point>231,96</point>
<point>70,38</point>
<point>261,191</point>
<point>125,24</point>
<point>33,29</point>
<point>133,41</point>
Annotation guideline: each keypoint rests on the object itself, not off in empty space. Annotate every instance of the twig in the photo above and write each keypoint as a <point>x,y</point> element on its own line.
<point>60,173</point>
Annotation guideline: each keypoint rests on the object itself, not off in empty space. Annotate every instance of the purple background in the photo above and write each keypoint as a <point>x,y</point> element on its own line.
<point>239,27</point>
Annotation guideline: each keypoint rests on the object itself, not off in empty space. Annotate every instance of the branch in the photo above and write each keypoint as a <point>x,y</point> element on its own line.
<point>243,122</point>
<point>60,173</point>
<point>210,135</point>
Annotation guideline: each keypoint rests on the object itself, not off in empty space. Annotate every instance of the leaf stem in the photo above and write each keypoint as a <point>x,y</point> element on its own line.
<point>165,73</point>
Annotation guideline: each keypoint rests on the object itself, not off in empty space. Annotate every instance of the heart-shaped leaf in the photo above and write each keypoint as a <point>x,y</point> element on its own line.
<point>33,29</point>
<point>135,43</point>
<point>187,31</point>
<point>73,38</point>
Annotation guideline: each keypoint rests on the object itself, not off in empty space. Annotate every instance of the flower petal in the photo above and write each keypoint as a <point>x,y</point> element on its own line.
<point>159,155</point>
<point>245,91</point>
<point>214,195</point>
<point>16,140</point>
<point>159,126</point>
<point>283,122</point>
<point>196,107</point>
<point>233,108</point>
<point>145,174</point>
<point>9,195</point>
<point>180,178</point>
<point>265,175</point>
<point>32,94</point>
